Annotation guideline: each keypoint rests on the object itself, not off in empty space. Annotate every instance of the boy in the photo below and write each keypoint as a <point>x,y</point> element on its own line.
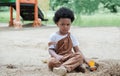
<point>63,58</point>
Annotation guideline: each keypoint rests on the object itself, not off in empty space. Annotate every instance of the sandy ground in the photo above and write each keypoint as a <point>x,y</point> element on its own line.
<point>23,52</point>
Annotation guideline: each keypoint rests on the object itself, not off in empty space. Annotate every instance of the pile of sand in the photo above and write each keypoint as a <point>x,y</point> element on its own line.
<point>106,68</point>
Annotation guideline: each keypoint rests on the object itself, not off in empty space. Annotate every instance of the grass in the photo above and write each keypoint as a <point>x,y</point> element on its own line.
<point>81,20</point>
<point>4,17</point>
<point>98,20</point>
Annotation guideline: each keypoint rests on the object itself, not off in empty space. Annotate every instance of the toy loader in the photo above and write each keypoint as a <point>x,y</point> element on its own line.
<point>92,65</point>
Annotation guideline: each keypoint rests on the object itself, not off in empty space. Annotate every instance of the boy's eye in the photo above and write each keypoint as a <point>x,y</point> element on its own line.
<point>68,24</point>
<point>65,24</point>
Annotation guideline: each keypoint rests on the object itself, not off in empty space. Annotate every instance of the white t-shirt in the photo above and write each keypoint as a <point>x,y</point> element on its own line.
<point>55,37</point>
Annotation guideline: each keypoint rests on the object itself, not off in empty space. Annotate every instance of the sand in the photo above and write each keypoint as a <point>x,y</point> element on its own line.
<point>23,52</point>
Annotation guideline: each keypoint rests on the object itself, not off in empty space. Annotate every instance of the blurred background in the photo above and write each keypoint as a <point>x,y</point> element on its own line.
<point>87,12</point>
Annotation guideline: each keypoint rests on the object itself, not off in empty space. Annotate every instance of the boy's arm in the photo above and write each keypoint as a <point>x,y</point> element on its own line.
<point>77,50</point>
<point>53,54</point>
<point>92,65</point>
<point>52,51</point>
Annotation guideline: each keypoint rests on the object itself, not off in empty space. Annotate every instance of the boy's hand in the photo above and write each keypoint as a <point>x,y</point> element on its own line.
<point>59,57</point>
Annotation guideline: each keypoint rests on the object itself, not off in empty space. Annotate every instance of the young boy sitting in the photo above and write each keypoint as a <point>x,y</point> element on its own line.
<point>63,58</point>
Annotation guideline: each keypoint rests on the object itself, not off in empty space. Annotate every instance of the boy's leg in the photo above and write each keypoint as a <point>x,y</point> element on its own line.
<point>74,61</point>
<point>80,68</point>
<point>53,62</point>
<point>56,67</point>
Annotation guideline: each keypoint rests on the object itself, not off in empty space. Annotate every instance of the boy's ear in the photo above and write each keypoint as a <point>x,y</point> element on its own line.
<point>57,23</point>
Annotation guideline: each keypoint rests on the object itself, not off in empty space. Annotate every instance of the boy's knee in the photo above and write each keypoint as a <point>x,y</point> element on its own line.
<point>78,56</point>
<point>53,63</point>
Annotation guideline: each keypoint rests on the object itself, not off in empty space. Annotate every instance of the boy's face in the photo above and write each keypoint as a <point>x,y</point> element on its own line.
<point>64,25</point>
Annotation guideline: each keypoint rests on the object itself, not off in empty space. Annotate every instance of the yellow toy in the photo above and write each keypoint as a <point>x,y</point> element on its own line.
<point>92,65</point>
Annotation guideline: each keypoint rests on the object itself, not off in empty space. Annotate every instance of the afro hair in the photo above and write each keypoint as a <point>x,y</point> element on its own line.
<point>63,13</point>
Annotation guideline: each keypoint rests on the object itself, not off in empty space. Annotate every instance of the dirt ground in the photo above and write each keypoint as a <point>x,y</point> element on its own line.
<point>23,52</point>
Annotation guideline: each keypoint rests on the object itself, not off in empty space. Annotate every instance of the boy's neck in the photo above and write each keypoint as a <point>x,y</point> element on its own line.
<point>62,33</point>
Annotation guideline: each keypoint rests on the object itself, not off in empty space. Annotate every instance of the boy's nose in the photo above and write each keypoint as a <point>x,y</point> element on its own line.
<point>66,26</point>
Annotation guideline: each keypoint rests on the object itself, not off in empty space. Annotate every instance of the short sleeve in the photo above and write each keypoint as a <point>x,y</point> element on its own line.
<point>52,39</point>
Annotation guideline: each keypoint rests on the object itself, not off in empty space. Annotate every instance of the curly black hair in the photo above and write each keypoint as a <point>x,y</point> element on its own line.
<point>63,13</point>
